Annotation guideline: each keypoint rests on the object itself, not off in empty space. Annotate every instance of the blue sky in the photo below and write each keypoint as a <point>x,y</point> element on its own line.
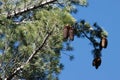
<point>107,14</point>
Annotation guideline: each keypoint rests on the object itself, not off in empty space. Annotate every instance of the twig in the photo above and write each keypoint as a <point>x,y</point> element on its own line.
<point>88,38</point>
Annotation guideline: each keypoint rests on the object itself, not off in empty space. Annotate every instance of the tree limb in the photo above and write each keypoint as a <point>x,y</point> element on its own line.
<point>31,56</point>
<point>89,39</point>
<point>30,8</point>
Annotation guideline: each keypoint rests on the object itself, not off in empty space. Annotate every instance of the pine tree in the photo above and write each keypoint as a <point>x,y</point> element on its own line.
<point>32,33</point>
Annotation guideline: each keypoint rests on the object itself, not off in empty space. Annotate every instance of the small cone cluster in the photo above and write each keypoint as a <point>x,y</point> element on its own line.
<point>65,31</point>
<point>71,33</point>
<point>96,62</point>
<point>103,43</point>
<point>68,32</point>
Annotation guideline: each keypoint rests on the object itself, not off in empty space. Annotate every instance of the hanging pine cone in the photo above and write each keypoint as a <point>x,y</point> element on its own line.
<point>66,31</point>
<point>96,62</point>
<point>71,33</point>
<point>103,43</point>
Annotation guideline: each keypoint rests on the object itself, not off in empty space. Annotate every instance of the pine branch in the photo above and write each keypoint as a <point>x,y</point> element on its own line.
<point>14,13</point>
<point>89,39</point>
<point>31,56</point>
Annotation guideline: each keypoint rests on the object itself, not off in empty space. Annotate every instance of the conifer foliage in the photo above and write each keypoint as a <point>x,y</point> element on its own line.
<point>32,33</point>
<point>95,34</point>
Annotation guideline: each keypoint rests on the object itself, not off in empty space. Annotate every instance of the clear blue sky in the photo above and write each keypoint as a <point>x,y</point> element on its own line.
<point>107,15</point>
